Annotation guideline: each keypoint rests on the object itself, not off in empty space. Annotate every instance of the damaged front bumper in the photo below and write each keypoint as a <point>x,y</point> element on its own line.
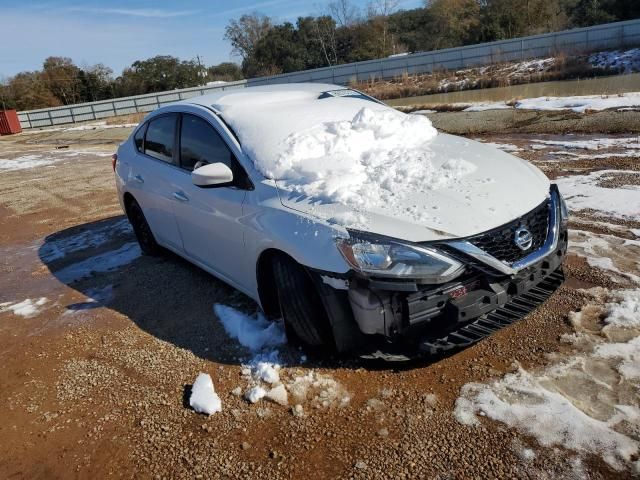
<point>394,317</point>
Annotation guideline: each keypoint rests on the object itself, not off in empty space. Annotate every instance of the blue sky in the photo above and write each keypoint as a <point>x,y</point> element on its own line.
<point>117,33</point>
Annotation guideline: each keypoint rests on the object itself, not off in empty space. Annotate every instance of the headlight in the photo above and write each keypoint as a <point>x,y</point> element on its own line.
<point>388,258</point>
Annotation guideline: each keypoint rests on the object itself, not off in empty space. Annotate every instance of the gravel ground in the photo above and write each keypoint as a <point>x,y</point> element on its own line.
<point>95,382</point>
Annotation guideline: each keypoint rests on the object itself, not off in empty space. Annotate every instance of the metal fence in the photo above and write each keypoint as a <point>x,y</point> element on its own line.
<point>589,39</point>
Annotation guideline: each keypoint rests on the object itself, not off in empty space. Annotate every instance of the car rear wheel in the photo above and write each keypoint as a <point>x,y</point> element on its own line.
<point>300,304</point>
<point>141,228</point>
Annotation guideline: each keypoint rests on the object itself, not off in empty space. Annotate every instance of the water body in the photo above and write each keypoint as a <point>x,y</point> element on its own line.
<point>591,86</point>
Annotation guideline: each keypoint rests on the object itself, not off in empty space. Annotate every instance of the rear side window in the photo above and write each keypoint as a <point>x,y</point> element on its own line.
<point>138,138</point>
<point>201,144</point>
<point>160,137</point>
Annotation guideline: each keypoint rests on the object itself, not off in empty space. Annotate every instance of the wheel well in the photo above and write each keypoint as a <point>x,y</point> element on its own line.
<point>267,283</point>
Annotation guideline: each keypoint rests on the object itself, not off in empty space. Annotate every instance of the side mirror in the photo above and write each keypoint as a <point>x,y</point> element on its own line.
<point>212,175</point>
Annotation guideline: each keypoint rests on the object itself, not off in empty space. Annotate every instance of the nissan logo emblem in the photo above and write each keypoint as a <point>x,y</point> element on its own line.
<point>523,238</point>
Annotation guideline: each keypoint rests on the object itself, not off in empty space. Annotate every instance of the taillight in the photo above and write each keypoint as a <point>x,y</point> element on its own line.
<point>114,160</point>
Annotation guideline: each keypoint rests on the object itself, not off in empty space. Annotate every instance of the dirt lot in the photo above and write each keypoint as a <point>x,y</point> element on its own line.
<point>100,345</point>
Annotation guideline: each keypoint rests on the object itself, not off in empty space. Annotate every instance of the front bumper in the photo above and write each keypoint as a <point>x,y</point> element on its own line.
<point>407,317</point>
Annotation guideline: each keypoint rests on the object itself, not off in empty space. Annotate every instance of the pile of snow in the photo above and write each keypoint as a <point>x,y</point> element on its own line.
<point>104,262</point>
<point>627,61</point>
<point>27,308</point>
<point>204,398</point>
<point>582,192</point>
<point>321,390</point>
<point>260,336</point>
<point>344,150</point>
<point>254,332</point>
<point>588,402</point>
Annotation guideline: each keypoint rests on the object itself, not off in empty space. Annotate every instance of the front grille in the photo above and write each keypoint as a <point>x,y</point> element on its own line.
<point>499,242</point>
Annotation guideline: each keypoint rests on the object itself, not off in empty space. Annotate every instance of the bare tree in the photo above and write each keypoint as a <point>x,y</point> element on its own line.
<point>380,10</point>
<point>343,12</point>
<point>246,32</point>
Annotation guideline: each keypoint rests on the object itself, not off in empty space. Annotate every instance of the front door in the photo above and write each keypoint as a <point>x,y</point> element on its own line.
<point>209,219</point>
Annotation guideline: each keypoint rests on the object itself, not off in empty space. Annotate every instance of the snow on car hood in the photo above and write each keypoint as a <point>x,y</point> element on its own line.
<point>363,165</point>
<point>479,188</point>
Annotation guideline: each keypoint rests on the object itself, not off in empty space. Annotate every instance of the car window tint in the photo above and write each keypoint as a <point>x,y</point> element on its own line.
<point>159,139</point>
<point>201,144</point>
<point>138,138</point>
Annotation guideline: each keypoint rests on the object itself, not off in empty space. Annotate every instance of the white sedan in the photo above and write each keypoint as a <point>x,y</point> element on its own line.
<point>362,227</point>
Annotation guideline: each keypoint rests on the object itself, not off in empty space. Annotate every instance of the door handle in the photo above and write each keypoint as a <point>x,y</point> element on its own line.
<point>138,179</point>
<point>181,197</point>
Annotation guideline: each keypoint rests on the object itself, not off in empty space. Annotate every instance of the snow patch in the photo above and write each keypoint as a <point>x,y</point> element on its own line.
<point>254,332</point>
<point>204,398</point>
<point>57,248</point>
<point>582,192</point>
<point>27,308</point>
<point>105,262</point>
<point>625,61</point>
<point>255,394</point>
<point>587,402</point>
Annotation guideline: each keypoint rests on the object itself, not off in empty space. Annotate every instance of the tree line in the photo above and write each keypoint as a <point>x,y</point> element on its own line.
<point>344,33</point>
<point>61,82</point>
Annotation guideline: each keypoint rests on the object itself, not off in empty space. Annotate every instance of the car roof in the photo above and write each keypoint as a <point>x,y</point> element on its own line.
<point>258,94</point>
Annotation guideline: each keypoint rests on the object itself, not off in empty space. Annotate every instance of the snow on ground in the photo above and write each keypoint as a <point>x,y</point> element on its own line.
<point>262,372</point>
<point>624,61</point>
<point>587,402</point>
<point>104,262</point>
<point>44,159</point>
<point>57,248</point>
<point>597,156</point>
<point>582,192</point>
<point>27,308</point>
<point>579,104</point>
<point>99,125</point>
<point>507,147</point>
<point>482,106</point>
<point>254,332</point>
<point>204,398</point>
<point>631,143</point>
<point>617,255</point>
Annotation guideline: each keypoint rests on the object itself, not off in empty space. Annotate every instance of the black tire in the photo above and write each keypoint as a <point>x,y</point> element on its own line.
<point>300,304</point>
<point>141,228</point>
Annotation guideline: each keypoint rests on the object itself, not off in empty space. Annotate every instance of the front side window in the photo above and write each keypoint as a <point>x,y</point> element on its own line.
<point>201,144</point>
<point>160,138</point>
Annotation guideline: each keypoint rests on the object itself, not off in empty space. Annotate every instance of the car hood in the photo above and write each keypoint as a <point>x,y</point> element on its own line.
<point>500,189</point>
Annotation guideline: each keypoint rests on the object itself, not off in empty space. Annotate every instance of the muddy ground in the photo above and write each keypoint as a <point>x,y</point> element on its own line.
<point>95,377</point>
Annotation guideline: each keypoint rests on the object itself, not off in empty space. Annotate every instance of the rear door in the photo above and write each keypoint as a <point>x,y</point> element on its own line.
<point>210,219</point>
<point>151,177</point>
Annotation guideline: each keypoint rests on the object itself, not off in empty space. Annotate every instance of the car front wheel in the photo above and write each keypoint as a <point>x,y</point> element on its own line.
<point>300,304</point>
